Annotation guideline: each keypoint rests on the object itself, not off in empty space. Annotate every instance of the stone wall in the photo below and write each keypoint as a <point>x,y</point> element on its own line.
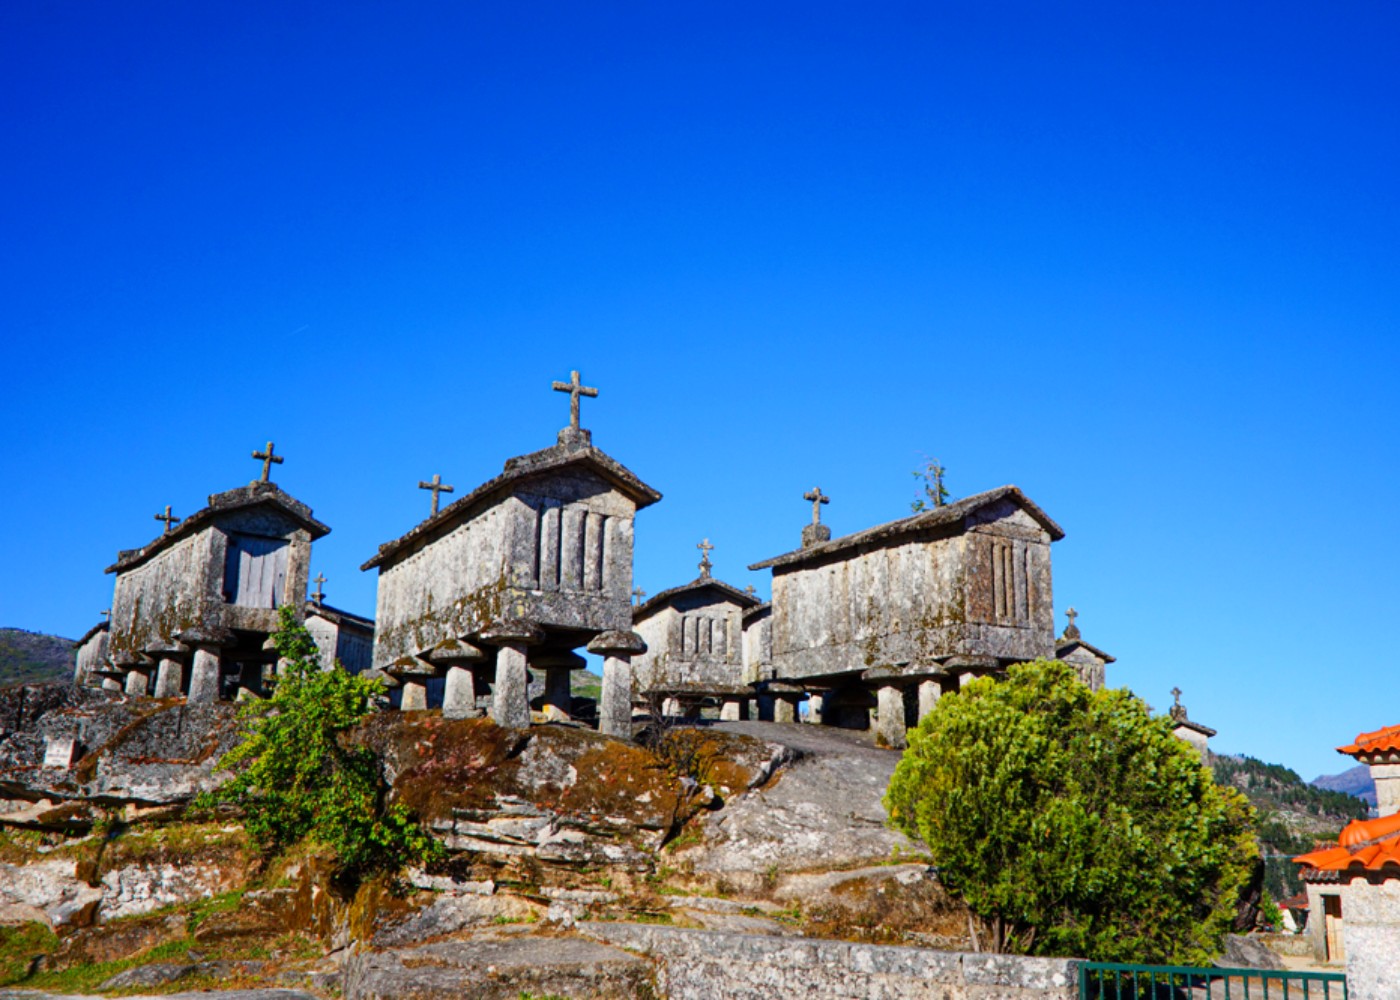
<point>1371,930</point>
<point>713,965</point>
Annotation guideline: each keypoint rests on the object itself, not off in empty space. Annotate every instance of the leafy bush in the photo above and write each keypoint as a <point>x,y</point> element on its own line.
<point>1073,823</point>
<point>297,778</point>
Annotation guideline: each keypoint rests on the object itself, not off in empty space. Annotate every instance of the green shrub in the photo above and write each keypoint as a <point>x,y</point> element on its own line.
<point>296,778</point>
<point>1073,823</point>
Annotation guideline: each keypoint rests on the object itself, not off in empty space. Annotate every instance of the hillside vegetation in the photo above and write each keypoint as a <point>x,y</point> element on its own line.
<point>1293,815</point>
<point>33,657</point>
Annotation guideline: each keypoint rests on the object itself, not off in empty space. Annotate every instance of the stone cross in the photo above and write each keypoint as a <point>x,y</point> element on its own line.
<point>168,518</point>
<point>317,595</point>
<point>575,390</point>
<point>1178,710</point>
<point>817,500</point>
<point>437,486</point>
<point>751,590</point>
<point>705,549</point>
<point>268,459</point>
<point>638,593</point>
<point>106,614</point>
<point>1071,630</point>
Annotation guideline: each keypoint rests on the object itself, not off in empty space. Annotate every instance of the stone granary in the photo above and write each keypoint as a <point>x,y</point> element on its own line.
<point>915,606</point>
<point>1089,661</point>
<point>1184,729</point>
<point>195,607</point>
<point>90,659</point>
<point>520,571</point>
<point>344,638</point>
<point>695,649</point>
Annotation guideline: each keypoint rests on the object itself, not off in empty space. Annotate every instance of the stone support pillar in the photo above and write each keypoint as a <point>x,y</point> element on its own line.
<point>111,684</point>
<point>814,710</point>
<point>889,720</point>
<point>510,699</point>
<point>459,696</point>
<point>414,695</point>
<point>170,675</point>
<point>510,696</point>
<point>204,674</point>
<point>136,682</point>
<point>558,689</point>
<point>617,649</point>
<point>965,679</point>
<point>929,693</point>
<point>671,708</point>
<point>784,710</point>
<point>734,710</point>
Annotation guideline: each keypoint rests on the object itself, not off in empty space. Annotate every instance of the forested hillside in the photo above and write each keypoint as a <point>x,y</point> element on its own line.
<point>33,657</point>
<point>1293,815</point>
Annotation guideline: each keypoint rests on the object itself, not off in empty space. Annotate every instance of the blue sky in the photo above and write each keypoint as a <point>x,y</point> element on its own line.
<point>1140,262</point>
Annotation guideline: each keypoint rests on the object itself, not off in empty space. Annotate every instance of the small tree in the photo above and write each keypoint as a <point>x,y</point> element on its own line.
<point>1072,822</point>
<point>931,492</point>
<point>296,777</point>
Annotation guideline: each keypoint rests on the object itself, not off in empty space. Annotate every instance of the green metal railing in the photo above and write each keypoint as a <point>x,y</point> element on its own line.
<point>1116,981</point>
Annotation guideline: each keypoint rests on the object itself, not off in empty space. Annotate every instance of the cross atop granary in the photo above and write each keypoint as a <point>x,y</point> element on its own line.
<point>751,590</point>
<point>106,614</point>
<point>575,389</point>
<point>437,486</point>
<point>1178,710</point>
<point>316,595</point>
<point>1071,630</point>
<point>268,459</point>
<point>816,532</point>
<point>705,549</point>
<point>638,594</point>
<point>168,518</point>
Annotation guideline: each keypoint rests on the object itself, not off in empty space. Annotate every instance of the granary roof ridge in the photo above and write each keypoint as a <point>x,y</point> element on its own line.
<point>516,469</point>
<point>756,609</point>
<point>1064,645</point>
<point>1194,726</point>
<point>333,614</point>
<point>947,514</point>
<point>644,610</point>
<point>221,503</point>
<point>99,627</point>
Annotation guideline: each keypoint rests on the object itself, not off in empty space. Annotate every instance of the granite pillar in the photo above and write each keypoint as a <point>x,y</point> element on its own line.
<point>558,689</point>
<point>204,674</point>
<point>929,693</point>
<point>814,710</point>
<point>136,682</point>
<point>169,677</point>
<point>734,710</point>
<point>414,696</point>
<point>784,710</point>
<point>510,704</point>
<point>889,719</point>
<point>615,710</point>
<point>459,696</point>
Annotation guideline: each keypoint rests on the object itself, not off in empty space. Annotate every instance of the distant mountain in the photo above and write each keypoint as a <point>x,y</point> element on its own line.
<point>33,657</point>
<point>1354,781</point>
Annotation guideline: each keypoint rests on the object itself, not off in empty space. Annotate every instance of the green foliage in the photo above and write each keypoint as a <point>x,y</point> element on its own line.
<point>1273,786</point>
<point>931,493</point>
<point>1269,913</point>
<point>1073,823</point>
<point>297,778</point>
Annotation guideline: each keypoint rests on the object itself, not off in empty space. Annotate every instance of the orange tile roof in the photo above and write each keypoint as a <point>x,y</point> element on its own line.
<point>1366,845</point>
<point>1380,741</point>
